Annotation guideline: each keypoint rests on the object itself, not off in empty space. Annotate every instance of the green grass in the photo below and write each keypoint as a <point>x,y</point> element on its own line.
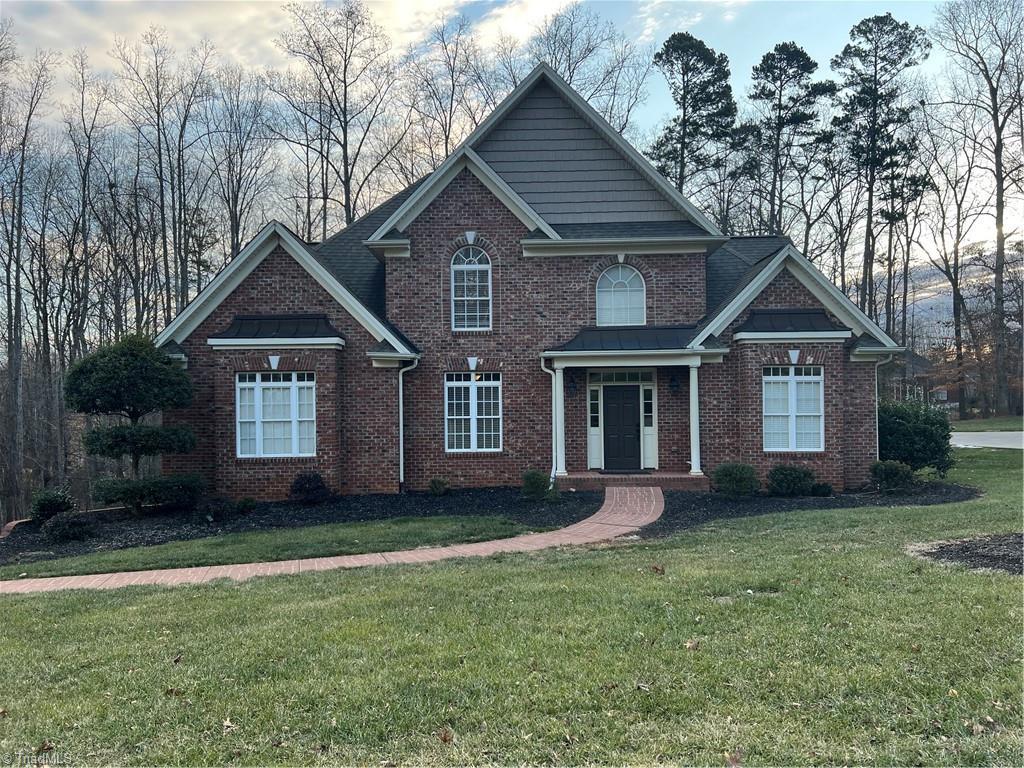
<point>994,424</point>
<point>280,544</point>
<point>820,641</point>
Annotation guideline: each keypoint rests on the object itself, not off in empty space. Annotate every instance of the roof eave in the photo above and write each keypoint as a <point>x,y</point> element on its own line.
<point>612,246</point>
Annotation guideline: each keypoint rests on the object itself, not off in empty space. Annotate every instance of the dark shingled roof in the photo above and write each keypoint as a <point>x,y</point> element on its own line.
<point>623,229</point>
<point>867,340</point>
<point>172,348</point>
<point>789,320</point>
<point>733,265</point>
<point>352,263</point>
<point>629,338</point>
<point>279,327</point>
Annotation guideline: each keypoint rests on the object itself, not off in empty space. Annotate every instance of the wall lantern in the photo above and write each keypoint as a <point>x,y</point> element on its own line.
<point>570,388</point>
<point>673,383</point>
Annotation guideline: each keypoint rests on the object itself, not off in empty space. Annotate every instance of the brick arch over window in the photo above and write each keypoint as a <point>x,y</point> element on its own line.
<point>599,267</point>
<point>472,309</point>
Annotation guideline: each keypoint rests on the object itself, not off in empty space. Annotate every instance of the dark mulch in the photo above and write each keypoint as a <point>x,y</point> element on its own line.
<point>687,509</point>
<point>1004,552</point>
<point>119,530</point>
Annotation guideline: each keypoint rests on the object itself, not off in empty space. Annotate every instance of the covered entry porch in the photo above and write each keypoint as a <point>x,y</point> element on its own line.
<point>626,408</point>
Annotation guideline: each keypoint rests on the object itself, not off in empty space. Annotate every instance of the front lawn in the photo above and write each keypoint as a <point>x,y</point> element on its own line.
<point>801,637</point>
<point>284,544</point>
<point>994,424</point>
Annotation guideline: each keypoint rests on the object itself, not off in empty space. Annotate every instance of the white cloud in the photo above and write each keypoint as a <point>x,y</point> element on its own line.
<point>657,16</point>
<point>516,18</point>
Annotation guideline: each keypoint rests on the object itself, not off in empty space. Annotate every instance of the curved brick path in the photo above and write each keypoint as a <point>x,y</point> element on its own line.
<point>625,511</point>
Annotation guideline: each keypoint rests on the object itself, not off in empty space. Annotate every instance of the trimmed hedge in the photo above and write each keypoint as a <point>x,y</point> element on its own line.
<point>536,484</point>
<point>309,488</point>
<point>438,486</point>
<point>174,491</point>
<point>790,480</point>
<point>139,440</point>
<point>736,479</point>
<point>49,502</point>
<point>892,476</point>
<point>916,434</point>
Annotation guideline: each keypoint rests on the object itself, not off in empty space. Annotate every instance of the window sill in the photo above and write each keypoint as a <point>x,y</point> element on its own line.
<point>275,459</point>
<point>472,331</point>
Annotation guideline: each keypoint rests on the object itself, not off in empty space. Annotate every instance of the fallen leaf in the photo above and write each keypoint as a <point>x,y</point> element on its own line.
<point>177,659</point>
<point>977,729</point>
<point>643,687</point>
<point>46,746</point>
<point>693,645</point>
<point>3,712</point>
<point>952,693</point>
<point>174,692</point>
<point>228,725</point>
<point>658,569</point>
<point>446,735</point>
<point>916,647</point>
<point>733,759</point>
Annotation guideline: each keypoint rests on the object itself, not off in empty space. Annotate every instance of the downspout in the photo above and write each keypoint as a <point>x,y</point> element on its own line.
<point>401,423</point>
<point>879,364</point>
<point>554,423</point>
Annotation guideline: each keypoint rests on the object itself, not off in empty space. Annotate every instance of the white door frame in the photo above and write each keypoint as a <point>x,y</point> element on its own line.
<point>648,435</point>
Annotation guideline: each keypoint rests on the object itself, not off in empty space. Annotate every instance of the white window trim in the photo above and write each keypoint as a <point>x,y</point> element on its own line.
<point>452,267</point>
<point>473,387</point>
<point>597,295</point>
<point>257,387</point>
<point>791,380</point>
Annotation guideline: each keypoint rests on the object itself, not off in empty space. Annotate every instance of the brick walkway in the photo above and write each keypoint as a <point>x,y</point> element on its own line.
<point>625,511</point>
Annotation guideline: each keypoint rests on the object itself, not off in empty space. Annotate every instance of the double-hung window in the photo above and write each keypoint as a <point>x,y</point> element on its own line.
<point>471,290</point>
<point>793,408</point>
<point>275,414</point>
<point>472,421</point>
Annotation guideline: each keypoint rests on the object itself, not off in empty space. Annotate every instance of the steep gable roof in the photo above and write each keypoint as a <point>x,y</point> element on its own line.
<point>561,162</point>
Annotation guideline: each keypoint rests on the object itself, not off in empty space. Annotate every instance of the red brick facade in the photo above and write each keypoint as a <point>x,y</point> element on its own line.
<point>538,303</point>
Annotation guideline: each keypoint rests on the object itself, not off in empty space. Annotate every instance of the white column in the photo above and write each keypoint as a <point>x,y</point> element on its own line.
<point>560,421</point>
<point>694,424</point>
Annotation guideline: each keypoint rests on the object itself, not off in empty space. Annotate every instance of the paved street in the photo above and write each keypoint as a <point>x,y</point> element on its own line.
<point>988,439</point>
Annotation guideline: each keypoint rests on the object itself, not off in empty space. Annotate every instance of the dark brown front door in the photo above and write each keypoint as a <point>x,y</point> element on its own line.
<point>621,428</point>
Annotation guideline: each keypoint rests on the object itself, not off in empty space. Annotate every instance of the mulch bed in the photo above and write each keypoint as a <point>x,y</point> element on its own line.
<point>687,509</point>
<point>119,530</point>
<point>1004,552</point>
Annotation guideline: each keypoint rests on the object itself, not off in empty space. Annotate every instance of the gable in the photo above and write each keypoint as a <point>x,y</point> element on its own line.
<point>559,164</point>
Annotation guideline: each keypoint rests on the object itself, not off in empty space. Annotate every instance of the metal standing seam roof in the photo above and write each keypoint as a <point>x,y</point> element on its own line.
<point>633,338</point>
<point>789,320</point>
<point>306,326</point>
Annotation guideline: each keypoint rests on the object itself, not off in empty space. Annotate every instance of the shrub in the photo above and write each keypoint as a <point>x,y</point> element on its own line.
<point>790,480</point>
<point>892,476</point>
<point>916,434</point>
<point>245,506</point>
<point>821,489</point>
<point>215,509</point>
<point>49,502</point>
<point>736,479</point>
<point>173,491</point>
<point>438,486</point>
<point>536,485</point>
<point>308,488</point>
<point>68,526</point>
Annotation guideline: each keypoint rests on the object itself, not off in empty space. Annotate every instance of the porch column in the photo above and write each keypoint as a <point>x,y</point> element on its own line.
<point>560,421</point>
<point>694,424</point>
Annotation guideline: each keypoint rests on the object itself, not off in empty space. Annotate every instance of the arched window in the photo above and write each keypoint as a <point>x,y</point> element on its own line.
<point>621,297</point>
<point>471,290</point>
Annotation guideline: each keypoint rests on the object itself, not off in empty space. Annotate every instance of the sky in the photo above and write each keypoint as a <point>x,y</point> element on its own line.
<point>244,31</point>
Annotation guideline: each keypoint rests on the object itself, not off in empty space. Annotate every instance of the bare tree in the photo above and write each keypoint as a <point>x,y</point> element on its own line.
<point>985,41</point>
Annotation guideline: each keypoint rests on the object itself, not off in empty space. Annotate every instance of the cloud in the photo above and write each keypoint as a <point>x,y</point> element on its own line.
<point>655,16</point>
<point>516,18</point>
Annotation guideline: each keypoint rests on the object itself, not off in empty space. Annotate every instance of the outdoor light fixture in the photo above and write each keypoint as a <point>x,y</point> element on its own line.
<point>673,383</point>
<point>570,388</point>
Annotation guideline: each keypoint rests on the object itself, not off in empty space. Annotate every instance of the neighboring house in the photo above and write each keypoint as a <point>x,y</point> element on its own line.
<point>543,300</point>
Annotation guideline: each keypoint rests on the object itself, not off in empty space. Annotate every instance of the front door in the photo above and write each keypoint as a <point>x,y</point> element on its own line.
<point>621,428</point>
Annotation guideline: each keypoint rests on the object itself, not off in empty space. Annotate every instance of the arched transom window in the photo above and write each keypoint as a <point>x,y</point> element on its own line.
<point>621,297</point>
<point>471,290</point>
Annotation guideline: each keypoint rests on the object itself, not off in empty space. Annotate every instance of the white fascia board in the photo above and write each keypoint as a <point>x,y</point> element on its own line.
<point>615,246</point>
<point>392,355</point>
<point>599,359</point>
<point>334,342</point>
<point>867,354</point>
<point>784,336</point>
<point>443,176</point>
<point>242,266</point>
<point>811,278</point>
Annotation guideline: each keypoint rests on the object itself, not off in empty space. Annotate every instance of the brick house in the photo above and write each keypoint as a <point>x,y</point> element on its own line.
<point>543,300</point>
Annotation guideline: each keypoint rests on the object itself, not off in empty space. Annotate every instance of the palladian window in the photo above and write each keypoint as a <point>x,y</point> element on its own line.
<point>471,290</point>
<point>621,297</point>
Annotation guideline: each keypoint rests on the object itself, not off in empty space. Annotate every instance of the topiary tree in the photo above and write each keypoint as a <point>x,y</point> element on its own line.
<point>130,379</point>
<point>916,434</point>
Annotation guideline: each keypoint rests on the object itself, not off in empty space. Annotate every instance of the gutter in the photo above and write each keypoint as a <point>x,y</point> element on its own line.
<point>878,364</point>
<point>401,423</point>
<point>554,424</point>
